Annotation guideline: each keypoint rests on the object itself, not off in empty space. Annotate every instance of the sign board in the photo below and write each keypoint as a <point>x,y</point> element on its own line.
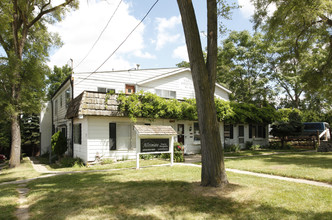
<point>154,145</point>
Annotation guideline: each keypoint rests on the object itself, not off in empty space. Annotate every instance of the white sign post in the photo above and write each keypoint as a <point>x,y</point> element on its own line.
<point>154,144</point>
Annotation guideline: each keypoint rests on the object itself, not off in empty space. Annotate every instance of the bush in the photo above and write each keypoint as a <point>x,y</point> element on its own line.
<point>146,156</point>
<point>248,145</point>
<point>231,148</point>
<point>71,162</point>
<point>255,147</point>
<point>178,152</point>
<point>59,143</point>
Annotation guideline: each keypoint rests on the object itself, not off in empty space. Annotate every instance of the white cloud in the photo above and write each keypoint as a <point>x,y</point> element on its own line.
<point>181,53</point>
<point>80,29</point>
<point>247,8</point>
<point>164,28</point>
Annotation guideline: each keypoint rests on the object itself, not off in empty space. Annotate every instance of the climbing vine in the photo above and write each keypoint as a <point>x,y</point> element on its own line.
<point>151,106</point>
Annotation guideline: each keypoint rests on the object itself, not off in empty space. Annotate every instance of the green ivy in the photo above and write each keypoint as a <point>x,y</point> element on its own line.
<point>151,106</point>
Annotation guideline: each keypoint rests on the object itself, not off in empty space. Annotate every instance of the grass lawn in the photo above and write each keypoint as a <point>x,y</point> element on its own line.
<point>24,171</point>
<point>8,201</point>
<point>117,165</point>
<point>173,193</point>
<point>312,166</point>
<point>256,152</point>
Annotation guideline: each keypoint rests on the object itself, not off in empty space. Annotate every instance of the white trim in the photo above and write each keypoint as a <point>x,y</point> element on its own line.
<point>162,76</point>
<point>221,87</point>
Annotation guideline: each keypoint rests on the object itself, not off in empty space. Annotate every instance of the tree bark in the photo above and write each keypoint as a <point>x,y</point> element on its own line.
<point>15,153</point>
<point>204,76</point>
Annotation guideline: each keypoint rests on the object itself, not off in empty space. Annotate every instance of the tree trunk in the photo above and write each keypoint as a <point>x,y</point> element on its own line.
<point>15,153</point>
<point>204,76</point>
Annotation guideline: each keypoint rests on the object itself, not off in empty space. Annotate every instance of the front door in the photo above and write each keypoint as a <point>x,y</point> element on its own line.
<point>181,133</point>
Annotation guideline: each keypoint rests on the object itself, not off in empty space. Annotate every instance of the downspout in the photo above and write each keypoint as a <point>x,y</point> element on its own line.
<point>50,150</point>
<point>72,119</point>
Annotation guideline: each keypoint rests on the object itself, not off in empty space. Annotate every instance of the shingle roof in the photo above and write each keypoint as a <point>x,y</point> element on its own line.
<point>154,130</point>
<point>93,103</point>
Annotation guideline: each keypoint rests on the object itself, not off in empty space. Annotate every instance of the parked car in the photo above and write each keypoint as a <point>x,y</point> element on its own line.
<point>311,128</point>
<point>2,158</point>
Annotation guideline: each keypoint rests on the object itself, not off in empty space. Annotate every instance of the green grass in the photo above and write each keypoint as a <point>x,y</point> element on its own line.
<point>173,193</point>
<point>312,166</point>
<point>117,165</point>
<point>8,201</point>
<point>257,152</point>
<point>24,171</point>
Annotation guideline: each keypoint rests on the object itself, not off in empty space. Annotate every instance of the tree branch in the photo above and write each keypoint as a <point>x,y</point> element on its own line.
<point>42,13</point>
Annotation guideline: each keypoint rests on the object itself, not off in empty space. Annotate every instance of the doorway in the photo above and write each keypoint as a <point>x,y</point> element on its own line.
<point>181,133</point>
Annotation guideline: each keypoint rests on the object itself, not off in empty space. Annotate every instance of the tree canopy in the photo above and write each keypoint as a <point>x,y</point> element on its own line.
<point>307,28</point>
<point>243,66</point>
<point>26,42</point>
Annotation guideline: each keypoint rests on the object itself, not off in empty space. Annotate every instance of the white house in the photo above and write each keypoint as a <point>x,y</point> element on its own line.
<point>96,129</point>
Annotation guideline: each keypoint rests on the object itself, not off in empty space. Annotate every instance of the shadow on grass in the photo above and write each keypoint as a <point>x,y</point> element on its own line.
<point>8,198</point>
<point>109,196</point>
<point>320,160</point>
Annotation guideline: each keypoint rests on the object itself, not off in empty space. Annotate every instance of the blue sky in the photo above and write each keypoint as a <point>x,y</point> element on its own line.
<point>159,42</point>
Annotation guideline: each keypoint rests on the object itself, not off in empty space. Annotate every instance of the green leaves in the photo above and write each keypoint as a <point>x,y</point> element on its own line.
<point>151,106</point>
<point>243,66</point>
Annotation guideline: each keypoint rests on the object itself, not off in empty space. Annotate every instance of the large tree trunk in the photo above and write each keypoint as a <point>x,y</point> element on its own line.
<point>15,153</point>
<point>204,76</point>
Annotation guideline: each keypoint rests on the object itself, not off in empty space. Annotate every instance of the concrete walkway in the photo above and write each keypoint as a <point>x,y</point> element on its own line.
<point>289,179</point>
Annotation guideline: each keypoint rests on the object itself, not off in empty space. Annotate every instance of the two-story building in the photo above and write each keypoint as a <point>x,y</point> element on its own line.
<point>95,128</point>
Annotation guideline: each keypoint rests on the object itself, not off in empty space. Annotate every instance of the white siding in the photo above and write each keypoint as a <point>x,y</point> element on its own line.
<point>46,127</point>
<point>80,150</point>
<point>254,140</point>
<point>114,79</point>
<point>181,83</point>
<point>221,94</point>
<point>59,117</point>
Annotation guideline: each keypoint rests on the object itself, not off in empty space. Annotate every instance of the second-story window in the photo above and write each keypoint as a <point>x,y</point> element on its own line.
<point>105,90</point>
<point>166,93</point>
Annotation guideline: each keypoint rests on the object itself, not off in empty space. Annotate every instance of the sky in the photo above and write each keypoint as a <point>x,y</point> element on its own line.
<point>158,42</point>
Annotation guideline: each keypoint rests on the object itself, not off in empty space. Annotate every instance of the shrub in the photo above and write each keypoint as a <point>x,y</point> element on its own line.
<point>71,162</point>
<point>146,156</point>
<point>248,145</point>
<point>255,147</point>
<point>178,152</point>
<point>59,143</point>
<point>274,145</point>
<point>231,148</point>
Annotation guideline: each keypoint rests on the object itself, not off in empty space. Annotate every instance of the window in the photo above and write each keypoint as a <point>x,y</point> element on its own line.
<point>197,135</point>
<point>228,131</point>
<point>130,89</point>
<point>64,130</point>
<point>257,131</point>
<point>112,136</point>
<point>105,90</point>
<point>78,133</point>
<point>166,93</point>
<point>101,89</point>
<point>67,94</point>
<point>56,107</point>
<point>241,130</point>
